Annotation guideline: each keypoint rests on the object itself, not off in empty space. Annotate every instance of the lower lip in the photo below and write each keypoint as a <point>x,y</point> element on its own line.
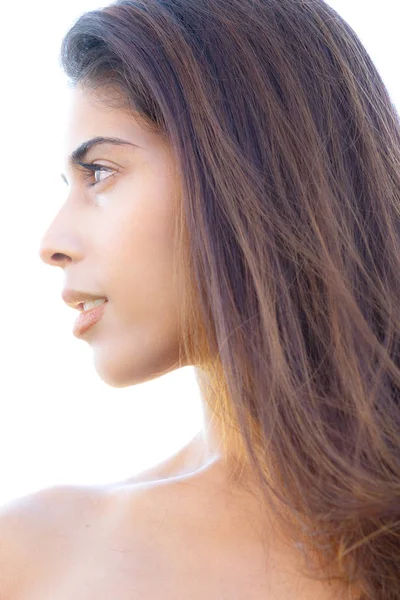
<point>88,318</point>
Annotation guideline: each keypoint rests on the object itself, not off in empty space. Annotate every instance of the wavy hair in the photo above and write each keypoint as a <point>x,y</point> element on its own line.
<point>288,151</point>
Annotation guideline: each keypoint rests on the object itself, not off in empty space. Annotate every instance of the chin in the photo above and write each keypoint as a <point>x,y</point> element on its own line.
<point>119,371</point>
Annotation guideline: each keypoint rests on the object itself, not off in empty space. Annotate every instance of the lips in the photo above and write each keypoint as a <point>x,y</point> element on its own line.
<point>88,319</point>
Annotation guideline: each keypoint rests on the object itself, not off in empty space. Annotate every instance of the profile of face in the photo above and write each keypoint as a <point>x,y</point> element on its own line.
<point>114,237</point>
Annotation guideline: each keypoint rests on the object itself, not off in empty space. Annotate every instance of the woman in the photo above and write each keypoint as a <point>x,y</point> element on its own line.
<point>244,219</point>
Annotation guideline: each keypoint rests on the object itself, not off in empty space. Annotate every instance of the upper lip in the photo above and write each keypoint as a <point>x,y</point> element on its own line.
<point>76,299</point>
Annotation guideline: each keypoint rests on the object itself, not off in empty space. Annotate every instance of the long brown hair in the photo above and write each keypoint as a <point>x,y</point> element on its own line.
<point>288,151</point>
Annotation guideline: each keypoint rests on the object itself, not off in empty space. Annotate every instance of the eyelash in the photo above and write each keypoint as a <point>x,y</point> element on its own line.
<point>91,168</point>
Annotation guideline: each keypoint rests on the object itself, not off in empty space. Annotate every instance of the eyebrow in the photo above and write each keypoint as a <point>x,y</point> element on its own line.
<point>79,154</point>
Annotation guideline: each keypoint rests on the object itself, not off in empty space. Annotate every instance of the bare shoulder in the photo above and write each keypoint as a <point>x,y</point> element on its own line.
<point>31,526</point>
<point>47,509</point>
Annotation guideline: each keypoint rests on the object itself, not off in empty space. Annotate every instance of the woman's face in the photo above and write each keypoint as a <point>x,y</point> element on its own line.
<point>116,239</point>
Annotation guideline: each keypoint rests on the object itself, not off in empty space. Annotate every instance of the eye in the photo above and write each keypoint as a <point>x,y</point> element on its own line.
<point>91,169</point>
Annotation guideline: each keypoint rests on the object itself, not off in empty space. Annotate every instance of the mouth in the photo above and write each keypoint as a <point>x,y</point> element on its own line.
<point>88,318</point>
<point>86,306</point>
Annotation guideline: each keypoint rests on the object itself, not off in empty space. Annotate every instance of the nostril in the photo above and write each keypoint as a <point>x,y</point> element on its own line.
<point>58,256</point>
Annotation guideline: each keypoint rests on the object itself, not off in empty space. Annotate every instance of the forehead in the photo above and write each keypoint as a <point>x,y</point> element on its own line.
<point>89,116</point>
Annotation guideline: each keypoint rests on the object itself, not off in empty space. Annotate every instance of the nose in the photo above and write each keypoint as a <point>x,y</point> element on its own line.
<point>66,237</point>
<point>51,255</point>
<point>56,247</point>
<point>61,242</point>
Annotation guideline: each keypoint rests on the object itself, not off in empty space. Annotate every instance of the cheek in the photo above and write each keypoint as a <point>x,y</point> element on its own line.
<point>138,247</point>
<point>143,213</point>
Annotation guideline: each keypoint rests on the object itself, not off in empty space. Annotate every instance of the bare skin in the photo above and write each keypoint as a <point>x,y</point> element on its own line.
<point>165,533</point>
<point>178,530</point>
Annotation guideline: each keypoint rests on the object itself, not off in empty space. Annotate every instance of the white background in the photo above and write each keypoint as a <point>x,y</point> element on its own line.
<point>59,423</point>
